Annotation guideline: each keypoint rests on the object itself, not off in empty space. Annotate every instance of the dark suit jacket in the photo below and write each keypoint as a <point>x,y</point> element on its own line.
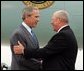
<point>19,62</point>
<point>60,52</point>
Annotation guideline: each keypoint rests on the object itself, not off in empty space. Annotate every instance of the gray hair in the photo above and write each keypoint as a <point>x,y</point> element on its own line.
<point>62,14</point>
<point>28,11</point>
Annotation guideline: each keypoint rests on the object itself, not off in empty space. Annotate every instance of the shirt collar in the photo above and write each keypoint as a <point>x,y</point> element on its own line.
<point>62,28</point>
<point>27,27</point>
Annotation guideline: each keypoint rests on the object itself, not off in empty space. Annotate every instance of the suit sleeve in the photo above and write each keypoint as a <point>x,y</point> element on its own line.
<point>14,41</point>
<point>54,47</point>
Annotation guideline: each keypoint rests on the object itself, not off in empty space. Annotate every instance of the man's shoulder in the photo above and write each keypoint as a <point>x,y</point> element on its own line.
<point>66,31</point>
<point>17,31</point>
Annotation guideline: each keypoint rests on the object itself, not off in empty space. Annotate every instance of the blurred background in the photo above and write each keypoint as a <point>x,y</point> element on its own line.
<point>11,12</point>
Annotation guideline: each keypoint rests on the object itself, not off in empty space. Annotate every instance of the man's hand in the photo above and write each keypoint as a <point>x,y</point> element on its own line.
<point>18,49</point>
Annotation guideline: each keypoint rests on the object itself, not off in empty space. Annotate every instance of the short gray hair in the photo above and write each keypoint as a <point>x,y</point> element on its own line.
<point>62,14</point>
<point>28,11</point>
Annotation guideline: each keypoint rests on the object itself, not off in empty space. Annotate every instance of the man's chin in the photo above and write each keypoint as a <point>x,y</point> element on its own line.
<point>54,30</point>
<point>34,26</point>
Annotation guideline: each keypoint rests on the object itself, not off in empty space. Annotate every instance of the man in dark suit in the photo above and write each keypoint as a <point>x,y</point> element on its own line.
<point>61,51</point>
<point>24,34</point>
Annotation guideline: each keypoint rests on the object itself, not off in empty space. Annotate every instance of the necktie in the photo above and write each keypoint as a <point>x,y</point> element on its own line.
<point>34,38</point>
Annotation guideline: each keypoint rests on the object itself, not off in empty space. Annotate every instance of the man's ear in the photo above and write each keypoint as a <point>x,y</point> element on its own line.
<point>57,20</point>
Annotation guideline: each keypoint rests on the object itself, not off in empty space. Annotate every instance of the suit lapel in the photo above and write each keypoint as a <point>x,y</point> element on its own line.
<point>28,36</point>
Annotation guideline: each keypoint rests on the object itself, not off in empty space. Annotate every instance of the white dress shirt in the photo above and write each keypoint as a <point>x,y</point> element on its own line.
<point>27,27</point>
<point>62,27</point>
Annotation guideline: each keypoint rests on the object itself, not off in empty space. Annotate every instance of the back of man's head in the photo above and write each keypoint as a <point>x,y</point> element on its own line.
<point>62,14</point>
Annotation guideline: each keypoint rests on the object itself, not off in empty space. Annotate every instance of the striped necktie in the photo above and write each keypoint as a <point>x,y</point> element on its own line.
<point>34,38</point>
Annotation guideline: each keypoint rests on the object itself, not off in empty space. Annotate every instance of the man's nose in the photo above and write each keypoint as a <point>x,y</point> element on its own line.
<point>38,20</point>
<point>51,23</point>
